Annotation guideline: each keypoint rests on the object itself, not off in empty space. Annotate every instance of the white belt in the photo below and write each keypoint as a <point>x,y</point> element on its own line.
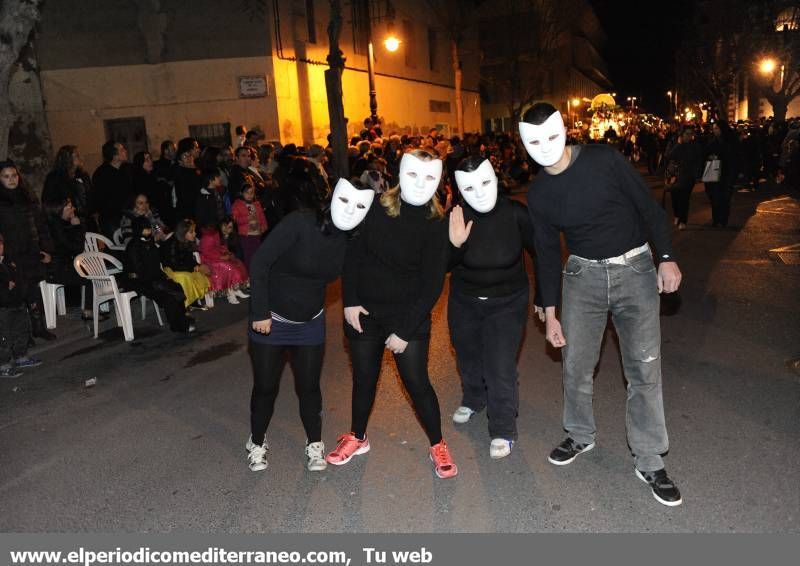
<point>620,259</point>
<point>278,318</point>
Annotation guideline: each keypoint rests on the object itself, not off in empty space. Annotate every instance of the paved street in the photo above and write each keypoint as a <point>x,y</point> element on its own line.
<point>157,444</point>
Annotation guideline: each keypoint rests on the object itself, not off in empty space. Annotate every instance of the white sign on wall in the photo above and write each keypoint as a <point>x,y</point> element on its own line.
<point>253,87</point>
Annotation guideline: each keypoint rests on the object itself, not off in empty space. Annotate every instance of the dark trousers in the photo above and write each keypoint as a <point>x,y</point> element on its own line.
<point>250,246</point>
<point>169,296</point>
<point>15,330</point>
<point>486,335</point>
<point>366,352</point>
<point>681,195</point>
<point>720,196</point>
<point>306,362</point>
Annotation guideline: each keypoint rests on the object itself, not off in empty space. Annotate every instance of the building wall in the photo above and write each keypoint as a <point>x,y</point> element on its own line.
<point>406,81</point>
<point>169,96</point>
<point>176,65</point>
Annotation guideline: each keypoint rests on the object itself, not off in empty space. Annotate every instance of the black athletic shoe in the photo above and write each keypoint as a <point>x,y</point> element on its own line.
<point>664,489</point>
<point>567,451</point>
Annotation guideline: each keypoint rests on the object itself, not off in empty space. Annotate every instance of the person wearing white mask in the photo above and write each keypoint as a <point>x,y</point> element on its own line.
<point>606,213</point>
<point>487,309</point>
<point>393,275</point>
<point>289,273</point>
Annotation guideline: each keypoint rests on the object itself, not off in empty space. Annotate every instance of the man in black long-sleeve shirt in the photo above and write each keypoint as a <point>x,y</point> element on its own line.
<point>605,211</point>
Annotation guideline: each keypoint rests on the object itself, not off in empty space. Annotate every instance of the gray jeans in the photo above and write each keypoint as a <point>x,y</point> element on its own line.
<point>590,291</point>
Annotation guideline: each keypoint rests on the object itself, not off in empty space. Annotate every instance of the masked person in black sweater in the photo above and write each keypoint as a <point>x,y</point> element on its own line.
<point>288,276</point>
<point>606,213</point>
<point>393,275</point>
<point>488,303</point>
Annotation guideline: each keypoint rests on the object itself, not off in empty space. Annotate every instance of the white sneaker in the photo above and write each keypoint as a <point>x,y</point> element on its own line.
<point>232,297</point>
<point>257,455</point>
<point>241,294</point>
<point>462,415</point>
<point>500,448</point>
<point>316,457</point>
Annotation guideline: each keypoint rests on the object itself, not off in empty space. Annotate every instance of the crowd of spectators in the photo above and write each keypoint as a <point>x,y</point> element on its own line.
<point>192,219</point>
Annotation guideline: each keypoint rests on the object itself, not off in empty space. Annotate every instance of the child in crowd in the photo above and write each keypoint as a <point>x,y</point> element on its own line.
<point>229,236</point>
<point>250,219</point>
<point>210,207</point>
<point>227,273</point>
<point>15,325</point>
<point>144,275</point>
<point>179,263</point>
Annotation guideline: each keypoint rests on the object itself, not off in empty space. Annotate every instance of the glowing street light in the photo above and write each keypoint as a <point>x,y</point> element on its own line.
<point>767,66</point>
<point>392,43</point>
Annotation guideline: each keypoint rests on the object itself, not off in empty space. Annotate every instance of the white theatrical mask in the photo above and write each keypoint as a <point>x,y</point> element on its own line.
<point>479,187</point>
<point>419,179</point>
<point>545,142</point>
<point>349,205</point>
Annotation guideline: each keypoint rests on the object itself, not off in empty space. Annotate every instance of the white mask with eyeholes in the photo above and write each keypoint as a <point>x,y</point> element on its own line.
<point>349,205</point>
<point>545,142</point>
<point>479,187</point>
<point>419,179</point>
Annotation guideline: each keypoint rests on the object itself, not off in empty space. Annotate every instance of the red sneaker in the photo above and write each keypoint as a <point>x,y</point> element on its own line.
<point>347,447</point>
<point>443,461</point>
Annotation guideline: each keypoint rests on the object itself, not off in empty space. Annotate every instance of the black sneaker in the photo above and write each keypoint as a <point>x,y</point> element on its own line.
<point>567,451</point>
<point>664,489</point>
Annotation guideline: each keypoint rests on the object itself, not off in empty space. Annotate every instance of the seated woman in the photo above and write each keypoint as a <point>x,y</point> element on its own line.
<point>229,236</point>
<point>68,234</point>
<point>227,273</point>
<point>143,274</point>
<point>180,265</point>
<point>141,209</point>
<point>250,219</point>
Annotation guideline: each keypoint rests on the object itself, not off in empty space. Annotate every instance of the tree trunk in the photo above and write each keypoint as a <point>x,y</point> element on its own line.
<point>17,20</point>
<point>780,106</point>
<point>457,75</point>
<point>333,87</point>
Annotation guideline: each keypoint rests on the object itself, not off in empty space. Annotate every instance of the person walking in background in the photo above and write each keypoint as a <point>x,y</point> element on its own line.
<point>722,147</point>
<point>688,155</point>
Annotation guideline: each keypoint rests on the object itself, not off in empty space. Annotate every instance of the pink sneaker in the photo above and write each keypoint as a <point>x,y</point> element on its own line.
<point>347,447</point>
<point>443,461</point>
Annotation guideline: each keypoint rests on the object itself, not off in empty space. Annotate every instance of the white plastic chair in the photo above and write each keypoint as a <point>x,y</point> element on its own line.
<point>119,241</point>
<point>52,301</point>
<point>92,266</point>
<point>91,245</point>
<point>143,300</point>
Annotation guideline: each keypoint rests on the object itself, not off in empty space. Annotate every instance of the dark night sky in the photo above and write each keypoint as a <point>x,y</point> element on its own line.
<point>642,38</point>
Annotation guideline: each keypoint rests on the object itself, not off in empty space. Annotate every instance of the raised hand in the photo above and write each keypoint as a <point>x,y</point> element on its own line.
<point>458,231</point>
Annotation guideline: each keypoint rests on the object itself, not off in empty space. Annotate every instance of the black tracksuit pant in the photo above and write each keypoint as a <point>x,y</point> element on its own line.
<point>486,335</point>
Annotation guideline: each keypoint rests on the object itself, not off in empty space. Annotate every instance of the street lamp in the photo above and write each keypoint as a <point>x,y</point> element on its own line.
<point>392,43</point>
<point>767,67</point>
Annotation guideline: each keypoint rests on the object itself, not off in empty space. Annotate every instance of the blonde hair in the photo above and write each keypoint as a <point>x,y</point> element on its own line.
<point>391,202</point>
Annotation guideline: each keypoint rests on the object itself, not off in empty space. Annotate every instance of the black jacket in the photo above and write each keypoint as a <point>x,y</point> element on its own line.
<point>25,230</point>
<point>10,297</point>
<point>178,256</point>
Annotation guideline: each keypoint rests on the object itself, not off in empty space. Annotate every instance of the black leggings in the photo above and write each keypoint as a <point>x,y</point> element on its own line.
<point>412,364</point>
<point>306,362</point>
